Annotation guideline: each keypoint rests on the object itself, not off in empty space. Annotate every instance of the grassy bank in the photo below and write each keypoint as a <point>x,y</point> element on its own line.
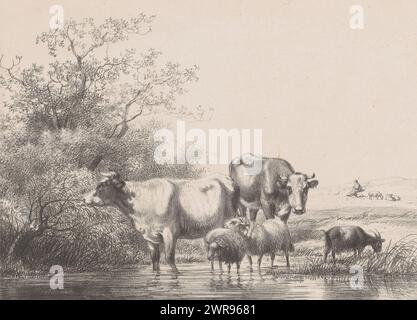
<point>398,258</point>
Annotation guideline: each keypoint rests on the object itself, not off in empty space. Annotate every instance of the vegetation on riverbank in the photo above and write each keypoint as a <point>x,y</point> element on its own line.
<point>398,258</point>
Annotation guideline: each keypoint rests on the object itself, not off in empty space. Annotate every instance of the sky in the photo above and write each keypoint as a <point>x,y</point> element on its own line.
<point>329,99</point>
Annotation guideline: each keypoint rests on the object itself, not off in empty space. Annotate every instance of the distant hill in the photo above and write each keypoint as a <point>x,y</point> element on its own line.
<point>335,196</point>
<point>387,185</point>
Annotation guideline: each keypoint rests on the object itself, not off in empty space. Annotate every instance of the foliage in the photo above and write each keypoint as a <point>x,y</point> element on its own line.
<point>84,87</point>
<point>70,119</point>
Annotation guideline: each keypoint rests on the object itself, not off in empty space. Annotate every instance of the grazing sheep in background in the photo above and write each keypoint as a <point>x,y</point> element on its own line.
<point>350,238</point>
<point>226,246</point>
<point>268,238</point>
<point>392,197</point>
<point>375,195</point>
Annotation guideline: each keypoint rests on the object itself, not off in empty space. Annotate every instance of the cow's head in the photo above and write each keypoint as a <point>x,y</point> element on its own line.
<point>297,185</point>
<point>376,242</point>
<point>107,191</point>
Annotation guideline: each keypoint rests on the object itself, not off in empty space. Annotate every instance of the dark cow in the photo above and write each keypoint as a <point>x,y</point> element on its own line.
<point>165,210</point>
<point>276,188</point>
<point>350,238</point>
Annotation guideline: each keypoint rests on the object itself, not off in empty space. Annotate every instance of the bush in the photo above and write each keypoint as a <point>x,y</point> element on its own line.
<point>189,251</point>
<point>48,222</point>
<point>103,240</point>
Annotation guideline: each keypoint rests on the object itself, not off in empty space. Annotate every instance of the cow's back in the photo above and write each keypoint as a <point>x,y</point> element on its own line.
<point>273,169</point>
<point>153,203</point>
<point>251,186</point>
<point>204,204</point>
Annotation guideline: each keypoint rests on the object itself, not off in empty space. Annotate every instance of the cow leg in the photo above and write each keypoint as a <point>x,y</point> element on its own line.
<point>268,208</point>
<point>212,264</point>
<point>334,256</point>
<point>155,255</point>
<point>241,210</point>
<point>259,262</point>
<point>250,263</point>
<point>326,253</point>
<point>220,266</point>
<point>229,266</point>
<point>272,259</point>
<point>284,212</point>
<point>251,213</point>
<point>237,267</point>
<point>169,245</point>
<point>287,258</point>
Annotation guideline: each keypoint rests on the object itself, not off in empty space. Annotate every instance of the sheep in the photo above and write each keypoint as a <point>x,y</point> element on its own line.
<point>392,197</point>
<point>375,195</point>
<point>267,238</point>
<point>227,246</point>
<point>349,238</point>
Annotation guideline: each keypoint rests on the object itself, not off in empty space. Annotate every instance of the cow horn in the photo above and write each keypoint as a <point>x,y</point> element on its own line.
<point>377,234</point>
<point>312,176</point>
<point>283,178</point>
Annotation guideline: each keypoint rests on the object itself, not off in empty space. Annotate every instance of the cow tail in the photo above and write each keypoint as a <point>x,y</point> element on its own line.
<point>235,186</point>
<point>236,199</point>
<point>231,164</point>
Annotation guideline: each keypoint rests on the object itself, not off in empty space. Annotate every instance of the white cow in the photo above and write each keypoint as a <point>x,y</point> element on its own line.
<point>164,210</point>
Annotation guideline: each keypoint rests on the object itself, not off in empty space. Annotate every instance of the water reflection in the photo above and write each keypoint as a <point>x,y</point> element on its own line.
<point>341,288</point>
<point>197,281</point>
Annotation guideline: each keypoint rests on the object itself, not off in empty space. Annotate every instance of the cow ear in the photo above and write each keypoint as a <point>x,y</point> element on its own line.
<point>313,183</point>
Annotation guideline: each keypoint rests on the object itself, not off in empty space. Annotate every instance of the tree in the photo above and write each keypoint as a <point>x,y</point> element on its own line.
<point>70,117</point>
<point>85,88</point>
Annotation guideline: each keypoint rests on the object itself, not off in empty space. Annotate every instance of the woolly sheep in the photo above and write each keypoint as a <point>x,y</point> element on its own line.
<point>267,238</point>
<point>226,246</point>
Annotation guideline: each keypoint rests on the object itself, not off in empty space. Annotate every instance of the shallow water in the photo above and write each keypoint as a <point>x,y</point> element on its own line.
<point>196,281</point>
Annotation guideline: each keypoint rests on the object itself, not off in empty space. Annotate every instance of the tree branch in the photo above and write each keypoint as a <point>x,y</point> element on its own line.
<point>10,69</point>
